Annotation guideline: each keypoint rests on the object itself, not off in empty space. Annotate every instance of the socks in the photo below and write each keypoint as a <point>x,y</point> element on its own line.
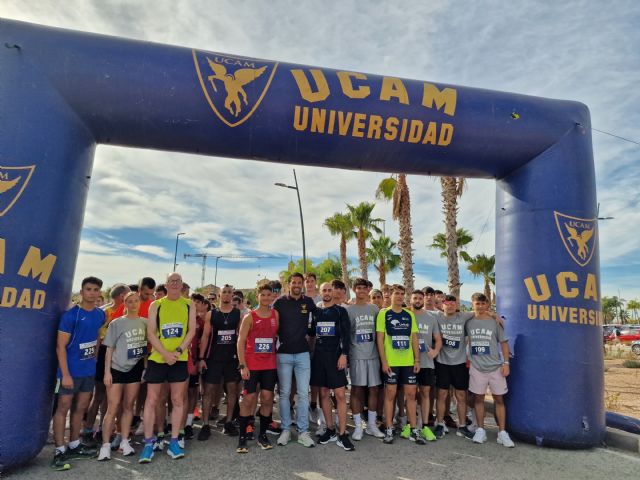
<point>264,423</point>
<point>244,421</point>
<point>61,449</point>
<point>358,419</point>
<point>190,419</point>
<point>371,418</point>
<point>74,444</point>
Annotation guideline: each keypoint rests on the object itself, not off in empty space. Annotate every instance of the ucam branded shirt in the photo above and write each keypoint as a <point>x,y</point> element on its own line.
<point>485,337</point>
<point>363,331</point>
<point>128,338</point>
<point>427,321</point>
<point>397,327</point>
<point>83,326</point>
<point>453,336</point>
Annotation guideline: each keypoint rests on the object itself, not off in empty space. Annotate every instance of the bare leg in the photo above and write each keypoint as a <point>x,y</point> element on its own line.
<point>325,401</point>
<point>114,395</point>
<point>425,409</point>
<point>341,400</point>
<point>372,399</point>
<point>130,394</point>
<point>480,410</point>
<point>178,390</point>
<point>154,390</point>
<point>357,397</point>
<point>82,403</point>
<point>410,397</point>
<point>501,411</point>
<point>232,398</point>
<point>389,404</point>
<point>461,400</point>
<point>441,404</point>
<point>60,418</point>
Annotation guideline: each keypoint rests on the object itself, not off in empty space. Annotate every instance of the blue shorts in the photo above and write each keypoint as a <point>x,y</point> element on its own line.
<point>80,385</point>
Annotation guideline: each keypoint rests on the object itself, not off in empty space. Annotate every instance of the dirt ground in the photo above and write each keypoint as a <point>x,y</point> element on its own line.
<point>621,385</point>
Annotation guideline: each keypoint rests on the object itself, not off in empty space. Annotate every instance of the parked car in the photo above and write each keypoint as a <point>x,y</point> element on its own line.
<point>629,333</point>
<point>608,333</point>
<point>635,347</point>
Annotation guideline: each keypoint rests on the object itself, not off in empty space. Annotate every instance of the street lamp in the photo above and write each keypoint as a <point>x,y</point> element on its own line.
<point>297,189</point>
<point>175,254</point>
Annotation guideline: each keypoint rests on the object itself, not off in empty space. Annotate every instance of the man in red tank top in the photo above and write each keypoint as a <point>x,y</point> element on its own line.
<point>257,358</point>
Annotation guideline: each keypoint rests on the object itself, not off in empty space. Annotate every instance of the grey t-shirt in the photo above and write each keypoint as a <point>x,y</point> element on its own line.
<point>484,344</point>
<point>427,321</point>
<point>452,330</point>
<point>128,338</point>
<point>363,331</point>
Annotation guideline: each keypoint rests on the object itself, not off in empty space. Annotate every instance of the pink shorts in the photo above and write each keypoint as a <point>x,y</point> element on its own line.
<point>479,381</point>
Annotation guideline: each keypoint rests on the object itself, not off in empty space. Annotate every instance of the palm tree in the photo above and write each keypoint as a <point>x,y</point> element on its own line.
<point>382,256</point>
<point>484,266</point>
<point>340,225</point>
<point>363,224</point>
<point>634,306</point>
<point>463,238</point>
<point>452,189</point>
<point>396,190</point>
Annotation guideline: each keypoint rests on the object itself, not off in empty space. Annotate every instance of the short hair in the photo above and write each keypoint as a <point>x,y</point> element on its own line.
<point>275,285</point>
<point>197,297</point>
<point>118,289</point>
<point>417,292</point>
<point>294,275</point>
<point>397,286</point>
<point>438,292</point>
<point>263,287</point>
<point>236,298</point>
<point>147,282</point>
<point>339,284</point>
<point>360,282</point>
<point>207,303</point>
<point>450,298</point>
<point>375,291</point>
<point>92,281</point>
<point>369,284</point>
<point>161,288</point>
<point>428,291</point>
<point>133,287</point>
<point>479,297</point>
<point>311,275</point>
<point>386,288</point>
<point>238,293</point>
<point>185,286</point>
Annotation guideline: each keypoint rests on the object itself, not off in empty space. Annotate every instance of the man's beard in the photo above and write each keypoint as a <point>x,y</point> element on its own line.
<point>417,306</point>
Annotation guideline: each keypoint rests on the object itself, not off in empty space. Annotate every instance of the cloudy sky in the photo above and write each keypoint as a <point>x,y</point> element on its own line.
<point>577,49</point>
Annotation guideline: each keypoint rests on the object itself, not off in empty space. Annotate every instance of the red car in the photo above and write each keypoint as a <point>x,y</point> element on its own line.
<point>629,333</point>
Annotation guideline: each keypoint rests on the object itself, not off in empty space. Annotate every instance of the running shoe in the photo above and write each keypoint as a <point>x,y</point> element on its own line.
<point>374,431</point>
<point>105,452</point>
<point>188,432</point>
<point>428,434</point>
<point>147,454</point>
<point>174,451</point>
<point>439,430</point>
<point>450,422</point>
<point>181,440</point>
<point>274,429</point>
<point>242,445</point>
<point>205,433</point>
<point>345,442</point>
<point>59,462</point>
<point>249,432</point>
<point>305,440</point>
<point>158,443</point>
<point>230,429</point>
<point>284,438</point>
<point>480,436</point>
<point>465,432</point>
<point>505,440</point>
<point>115,443</point>
<point>264,442</point>
<point>126,448</point>
<point>328,436</point>
<point>388,436</point>
<point>357,433</point>
<point>221,421</point>
<point>406,432</point>
<point>416,436</point>
<point>81,451</point>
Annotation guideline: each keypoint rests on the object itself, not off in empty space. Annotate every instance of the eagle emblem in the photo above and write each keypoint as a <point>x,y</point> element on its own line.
<point>13,181</point>
<point>233,86</point>
<point>578,235</point>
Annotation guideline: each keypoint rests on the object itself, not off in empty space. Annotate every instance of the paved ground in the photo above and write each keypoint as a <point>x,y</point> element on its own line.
<point>450,458</point>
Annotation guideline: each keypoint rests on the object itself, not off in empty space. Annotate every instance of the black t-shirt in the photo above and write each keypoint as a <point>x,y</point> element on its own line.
<point>332,329</point>
<point>224,335</point>
<point>294,323</point>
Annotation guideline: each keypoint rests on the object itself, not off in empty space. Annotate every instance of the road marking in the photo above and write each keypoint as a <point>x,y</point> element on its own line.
<point>136,474</point>
<point>628,457</point>
<point>466,455</point>
<point>312,476</point>
<point>403,478</point>
<point>437,464</point>
<point>121,460</point>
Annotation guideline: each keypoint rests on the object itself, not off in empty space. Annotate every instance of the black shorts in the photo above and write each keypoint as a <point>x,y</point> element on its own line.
<point>194,381</point>
<point>448,375</point>
<point>324,370</point>
<point>401,376</point>
<point>217,372</point>
<point>267,380</point>
<point>102,353</point>
<point>132,376</point>
<point>426,377</point>
<point>162,372</point>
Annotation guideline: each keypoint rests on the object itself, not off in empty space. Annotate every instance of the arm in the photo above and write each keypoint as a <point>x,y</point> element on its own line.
<point>345,338</point>
<point>415,345</point>
<point>191,331</point>
<point>152,335</point>
<point>204,341</point>
<point>245,326</point>
<point>505,355</point>
<point>61,353</point>
<point>383,358</point>
<point>433,352</point>
<point>108,380</point>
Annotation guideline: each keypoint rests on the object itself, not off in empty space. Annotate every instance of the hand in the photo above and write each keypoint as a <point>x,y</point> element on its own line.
<point>416,367</point>
<point>432,354</point>
<point>342,362</point>
<point>245,372</point>
<point>386,368</point>
<point>505,370</point>
<point>108,379</point>
<point>169,358</point>
<point>67,382</point>
<point>499,320</point>
<point>202,365</point>
<point>144,372</point>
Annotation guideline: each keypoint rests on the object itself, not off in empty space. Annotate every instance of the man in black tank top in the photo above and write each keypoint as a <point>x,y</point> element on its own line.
<point>219,361</point>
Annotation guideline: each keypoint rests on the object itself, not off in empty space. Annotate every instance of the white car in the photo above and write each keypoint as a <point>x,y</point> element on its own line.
<point>635,347</point>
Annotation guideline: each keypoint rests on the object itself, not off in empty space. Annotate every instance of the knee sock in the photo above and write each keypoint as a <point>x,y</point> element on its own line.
<point>264,423</point>
<point>244,421</point>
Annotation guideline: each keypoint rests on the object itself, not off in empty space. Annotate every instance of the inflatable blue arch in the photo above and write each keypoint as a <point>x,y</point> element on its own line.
<point>63,92</point>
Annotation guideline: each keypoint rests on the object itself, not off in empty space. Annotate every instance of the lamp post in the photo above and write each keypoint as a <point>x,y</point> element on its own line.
<point>297,189</point>
<point>175,254</point>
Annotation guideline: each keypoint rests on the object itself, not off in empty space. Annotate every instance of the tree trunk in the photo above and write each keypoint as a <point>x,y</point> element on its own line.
<point>487,289</point>
<point>343,261</point>
<point>362,254</point>
<point>406,236</point>
<point>450,209</point>
<point>382,273</point>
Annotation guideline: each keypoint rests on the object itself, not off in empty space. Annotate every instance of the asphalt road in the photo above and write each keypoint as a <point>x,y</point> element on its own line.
<point>450,458</point>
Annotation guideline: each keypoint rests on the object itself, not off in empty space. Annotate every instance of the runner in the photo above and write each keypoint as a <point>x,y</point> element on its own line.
<point>203,316</point>
<point>311,290</point>
<point>488,369</point>
<point>364,364</point>
<point>219,361</point>
<point>329,363</point>
<point>76,347</point>
<point>161,291</point>
<point>146,288</point>
<point>293,358</point>
<point>257,355</point>
<point>376,298</point>
<point>386,295</point>
<point>311,287</point>
<point>170,329</point>
<point>126,342</point>
<point>430,343</point>
<point>397,340</point>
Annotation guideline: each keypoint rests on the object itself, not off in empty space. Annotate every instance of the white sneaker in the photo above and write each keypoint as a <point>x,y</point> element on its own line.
<point>105,452</point>
<point>505,440</point>
<point>480,436</point>
<point>357,433</point>
<point>126,448</point>
<point>284,437</point>
<point>305,440</point>
<point>374,431</point>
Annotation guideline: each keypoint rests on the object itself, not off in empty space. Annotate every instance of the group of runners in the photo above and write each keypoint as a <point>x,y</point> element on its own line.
<point>155,355</point>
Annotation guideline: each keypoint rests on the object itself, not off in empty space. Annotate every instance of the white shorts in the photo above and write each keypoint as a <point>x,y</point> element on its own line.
<point>479,381</point>
<point>365,373</point>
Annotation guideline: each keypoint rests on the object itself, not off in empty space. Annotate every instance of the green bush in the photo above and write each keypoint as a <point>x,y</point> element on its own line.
<point>631,364</point>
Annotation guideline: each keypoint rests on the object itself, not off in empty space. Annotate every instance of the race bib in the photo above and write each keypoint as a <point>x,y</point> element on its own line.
<point>451,343</point>
<point>421,345</point>
<point>226,337</point>
<point>480,350</point>
<point>325,329</point>
<point>364,336</point>
<point>172,330</point>
<point>263,345</point>
<point>400,342</point>
<point>136,351</point>
<point>88,350</point>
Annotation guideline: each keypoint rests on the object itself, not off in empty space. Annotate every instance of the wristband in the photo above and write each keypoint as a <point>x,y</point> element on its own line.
<point>505,363</point>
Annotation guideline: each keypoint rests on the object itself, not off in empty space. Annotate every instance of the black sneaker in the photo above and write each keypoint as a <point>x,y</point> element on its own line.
<point>188,432</point>
<point>439,431</point>
<point>388,436</point>
<point>59,462</point>
<point>221,421</point>
<point>415,436</point>
<point>450,422</point>
<point>465,432</point>
<point>264,442</point>
<point>205,433</point>
<point>274,429</point>
<point>328,436</point>
<point>345,442</point>
<point>230,429</point>
<point>432,421</point>
<point>214,413</point>
<point>242,445</point>
<point>81,451</point>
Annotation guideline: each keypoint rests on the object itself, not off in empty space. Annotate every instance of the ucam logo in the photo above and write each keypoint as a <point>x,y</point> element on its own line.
<point>578,236</point>
<point>13,181</point>
<point>233,86</point>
